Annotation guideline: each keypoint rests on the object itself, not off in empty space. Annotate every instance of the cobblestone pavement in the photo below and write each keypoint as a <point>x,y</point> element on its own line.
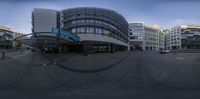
<point>140,75</point>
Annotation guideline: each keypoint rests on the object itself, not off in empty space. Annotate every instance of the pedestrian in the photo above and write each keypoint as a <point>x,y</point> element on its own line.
<point>46,49</point>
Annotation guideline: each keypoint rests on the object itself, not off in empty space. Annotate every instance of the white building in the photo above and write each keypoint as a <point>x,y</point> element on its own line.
<point>185,37</point>
<point>90,29</point>
<point>161,36</point>
<point>167,39</point>
<point>136,35</point>
<point>145,37</point>
<point>43,20</point>
<point>151,39</point>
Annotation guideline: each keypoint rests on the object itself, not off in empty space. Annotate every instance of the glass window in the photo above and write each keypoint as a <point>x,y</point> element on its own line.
<point>80,21</point>
<point>87,20</point>
<point>98,21</point>
<point>103,31</point>
<point>109,33</point>
<point>98,31</point>
<point>78,30</point>
<point>73,30</point>
<point>91,29</point>
<point>91,20</point>
<point>87,29</point>
<point>106,32</point>
<point>74,21</point>
<point>82,29</point>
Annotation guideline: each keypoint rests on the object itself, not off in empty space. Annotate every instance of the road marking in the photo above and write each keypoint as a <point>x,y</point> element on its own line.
<point>179,58</point>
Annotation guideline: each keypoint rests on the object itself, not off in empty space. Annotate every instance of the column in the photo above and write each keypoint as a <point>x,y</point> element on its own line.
<point>85,48</point>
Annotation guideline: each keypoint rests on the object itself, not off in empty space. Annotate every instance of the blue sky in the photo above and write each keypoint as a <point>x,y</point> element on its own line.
<point>16,14</point>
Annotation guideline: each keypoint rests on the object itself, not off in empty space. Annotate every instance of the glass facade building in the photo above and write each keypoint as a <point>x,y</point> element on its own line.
<point>99,29</point>
<point>97,21</point>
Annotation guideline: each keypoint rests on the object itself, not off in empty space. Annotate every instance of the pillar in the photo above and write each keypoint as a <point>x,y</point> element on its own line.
<point>85,49</point>
<point>112,49</point>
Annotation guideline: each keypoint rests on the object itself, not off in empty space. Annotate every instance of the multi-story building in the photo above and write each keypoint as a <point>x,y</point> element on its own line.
<point>151,38</point>
<point>145,37</point>
<point>136,36</point>
<point>185,37</point>
<point>43,20</point>
<point>167,39</point>
<point>99,29</point>
<point>6,36</point>
<point>161,36</point>
<point>19,36</point>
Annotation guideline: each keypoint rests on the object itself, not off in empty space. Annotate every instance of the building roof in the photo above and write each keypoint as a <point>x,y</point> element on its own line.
<point>4,28</point>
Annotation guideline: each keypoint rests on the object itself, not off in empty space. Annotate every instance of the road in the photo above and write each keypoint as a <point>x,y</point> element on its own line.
<point>128,75</point>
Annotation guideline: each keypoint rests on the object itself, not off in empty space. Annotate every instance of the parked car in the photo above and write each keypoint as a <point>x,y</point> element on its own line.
<point>164,51</point>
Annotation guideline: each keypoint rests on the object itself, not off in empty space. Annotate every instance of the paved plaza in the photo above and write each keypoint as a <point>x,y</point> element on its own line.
<point>128,75</point>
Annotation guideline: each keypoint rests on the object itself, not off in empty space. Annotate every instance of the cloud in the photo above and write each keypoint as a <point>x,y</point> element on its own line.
<point>186,21</point>
<point>180,21</point>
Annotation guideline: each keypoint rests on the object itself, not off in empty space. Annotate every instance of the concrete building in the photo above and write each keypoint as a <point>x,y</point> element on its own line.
<point>43,20</point>
<point>136,36</point>
<point>145,37</point>
<point>47,31</point>
<point>185,37</point>
<point>161,35</point>
<point>6,36</point>
<point>167,39</point>
<point>10,39</point>
<point>99,28</point>
<point>151,41</point>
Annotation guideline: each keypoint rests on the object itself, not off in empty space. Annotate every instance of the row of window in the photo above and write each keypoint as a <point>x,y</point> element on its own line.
<point>90,29</point>
<point>97,30</point>
<point>151,43</point>
<point>136,37</point>
<point>175,42</point>
<point>151,39</point>
<point>113,17</point>
<point>91,21</point>
<point>151,35</point>
<point>175,39</point>
<point>131,33</point>
<point>151,48</point>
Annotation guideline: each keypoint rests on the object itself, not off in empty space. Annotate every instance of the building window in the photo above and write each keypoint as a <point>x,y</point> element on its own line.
<point>78,30</point>
<point>73,30</point>
<point>87,29</point>
<point>133,37</point>
<point>82,29</point>
<point>91,30</point>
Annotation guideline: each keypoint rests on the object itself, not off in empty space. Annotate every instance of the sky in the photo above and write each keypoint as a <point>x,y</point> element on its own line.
<point>16,14</point>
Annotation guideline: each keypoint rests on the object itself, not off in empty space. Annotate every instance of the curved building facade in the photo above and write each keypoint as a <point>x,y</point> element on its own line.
<point>96,26</point>
<point>99,29</point>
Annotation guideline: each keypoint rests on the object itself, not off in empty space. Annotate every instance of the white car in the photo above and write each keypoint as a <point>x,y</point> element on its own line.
<point>167,51</point>
<point>164,51</point>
